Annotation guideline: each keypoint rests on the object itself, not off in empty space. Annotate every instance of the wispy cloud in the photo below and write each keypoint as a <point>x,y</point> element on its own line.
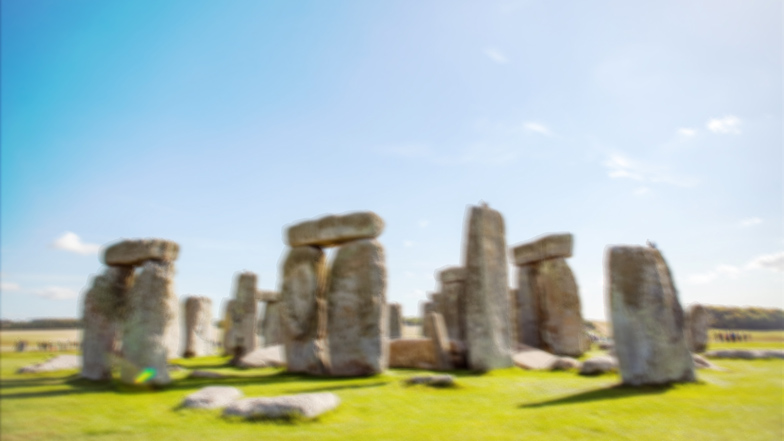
<point>750,222</point>
<point>621,167</point>
<point>728,125</point>
<point>55,293</point>
<point>496,55</point>
<point>534,127</point>
<point>685,132</point>
<point>773,262</point>
<point>73,243</point>
<point>9,286</point>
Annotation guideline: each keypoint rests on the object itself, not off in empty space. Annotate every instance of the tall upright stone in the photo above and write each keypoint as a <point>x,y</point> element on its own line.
<point>302,310</point>
<point>486,291</point>
<point>244,337</point>
<point>526,307</point>
<point>271,329</point>
<point>151,334</point>
<point>647,319</point>
<point>228,323</point>
<point>356,318</point>
<point>427,329</point>
<point>453,302</point>
<point>105,308</point>
<point>199,334</point>
<point>697,324</point>
<point>395,316</point>
<point>561,321</point>
<point>441,346</point>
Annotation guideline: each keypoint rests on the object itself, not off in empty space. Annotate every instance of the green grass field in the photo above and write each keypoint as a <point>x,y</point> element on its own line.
<point>743,403</point>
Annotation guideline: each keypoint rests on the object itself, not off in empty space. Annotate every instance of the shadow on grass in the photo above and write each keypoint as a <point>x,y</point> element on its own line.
<point>610,393</point>
<point>339,387</point>
<point>78,386</point>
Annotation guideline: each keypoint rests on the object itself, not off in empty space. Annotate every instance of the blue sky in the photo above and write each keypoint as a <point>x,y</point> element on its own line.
<point>217,124</point>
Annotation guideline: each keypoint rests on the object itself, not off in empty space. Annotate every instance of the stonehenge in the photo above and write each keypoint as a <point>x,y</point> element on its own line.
<point>198,327</point>
<point>243,338</point>
<point>547,310</point>
<point>647,319</point>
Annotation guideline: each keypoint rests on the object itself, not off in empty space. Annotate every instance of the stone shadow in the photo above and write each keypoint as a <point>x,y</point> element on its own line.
<point>610,393</point>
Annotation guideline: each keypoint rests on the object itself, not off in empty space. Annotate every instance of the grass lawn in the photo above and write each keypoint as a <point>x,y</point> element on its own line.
<point>743,403</point>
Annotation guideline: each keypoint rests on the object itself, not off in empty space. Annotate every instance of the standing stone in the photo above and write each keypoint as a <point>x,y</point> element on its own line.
<point>452,290</point>
<point>105,307</point>
<point>244,315</point>
<point>395,315</point>
<point>427,308</point>
<point>526,307</point>
<point>486,292</point>
<point>271,329</point>
<point>356,299</point>
<point>697,323</point>
<point>647,318</point>
<point>228,321</point>
<point>440,339</point>
<point>198,327</point>
<point>151,334</point>
<point>561,321</point>
<point>302,310</point>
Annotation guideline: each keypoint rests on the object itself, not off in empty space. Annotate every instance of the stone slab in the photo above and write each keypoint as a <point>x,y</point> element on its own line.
<point>284,407</point>
<point>212,397</point>
<point>272,356</point>
<point>57,363</point>
<point>413,353</point>
<point>452,274</point>
<point>264,295</point>
<point>336,229</point>
<point>543,248</point>
<point>527,357</point>
<point>599,365</point>
<point>133,252</point>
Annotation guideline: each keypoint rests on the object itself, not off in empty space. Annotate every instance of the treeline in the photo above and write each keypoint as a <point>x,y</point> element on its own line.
<point>44,323</point>
<point>731,317</point>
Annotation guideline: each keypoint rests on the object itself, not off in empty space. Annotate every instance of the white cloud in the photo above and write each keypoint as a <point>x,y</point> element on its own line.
<point>729,125</point>
<point>424,223</point>
<point>686,132</point>
<point>408,243</point>
<point>9,286</point>
<point>71,242</point>
<point>773,262</point>
<point>531,126</point>
<point>496,55</point>
<point>56,293</point>
<point>619,166</point>
<point>750,222</point>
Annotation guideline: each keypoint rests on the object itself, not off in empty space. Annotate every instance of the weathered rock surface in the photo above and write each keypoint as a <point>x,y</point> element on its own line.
<point>427,308</point>
<point>302,310</point>
<point>57,363</point>
<point>335,230</point>
<point>647,319</point>
<point>244,321</point>
<point>527,357</point>
<point>561,320</point>
<point>526,307</point>
<point>395,318</point>
<point>432,380</point>
<point>198,327</point>
<point>271,327</point>
<point>486,293</point>
<point>228,323</point>
<point>697,324</point>
<point>547,247</point>
<point>599,365</point>
<point>452,274</point>
<point>272,356</point>
<point>286,406</point>
<point>441,346</point>
<point>105,308</point>
<point>453,291</point>
<point>136,251</point>
<point>565,364</point>
<point>151,334</point>
<point>701,362</point>
<point>267,296</point>
<point>212,397</point>
<point>356,305</point>
<point>414,353</point>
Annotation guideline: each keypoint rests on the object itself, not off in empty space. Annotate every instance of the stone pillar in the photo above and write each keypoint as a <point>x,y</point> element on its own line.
<point>105,308</point>
<point>356,318</point>
<point>395,314</point>
<point>452,289</point>
<point>228,323</point>
<point>271,329</point>
<point>526,311</point>
<point>441,347</point>
<point>198,327</point>
<point>151,333</point>
<point>486,292</point>
<point>302,310</point>
<point>244,337</point>
<point>561,325</point>
<point>697,324</point>
<point>647,319</point>
<point>427,308</point>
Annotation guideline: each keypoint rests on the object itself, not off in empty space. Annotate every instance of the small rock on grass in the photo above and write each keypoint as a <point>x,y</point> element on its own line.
<point>58,363</point>
<point>212,397</point>
<point>306,406</point>
<point>566,363</point>
<point>433,380</point>
<point>599,365</point>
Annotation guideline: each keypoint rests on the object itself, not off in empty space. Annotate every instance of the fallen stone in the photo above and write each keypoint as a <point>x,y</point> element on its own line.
<point>151,334</point>
<point>198,327</point>
<point>599,365</point>
<point>136,251</point>
<point>701,362</point>
<point>272,356</point>
<point>432,380</point>
<point>647,318</point>
<point>745,354</point>
<point>58,363</point>
<point>546,247</point>
<point>697,324</point>
<point>287,406</point>
<point>212,397</point>
<point>565,364</point>
<point>560,316</point>
<point>774,353</point>
<point>486,293</point>
<point>356,310</point>
<point>335,230</point>
<point>527,357</point>
<point>395,320</point>
<point>412,353</point>
<point>302,311</point>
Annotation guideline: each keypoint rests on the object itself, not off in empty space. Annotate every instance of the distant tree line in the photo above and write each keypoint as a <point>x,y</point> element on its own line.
<point>731,317</point>
<point>44,323</point>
